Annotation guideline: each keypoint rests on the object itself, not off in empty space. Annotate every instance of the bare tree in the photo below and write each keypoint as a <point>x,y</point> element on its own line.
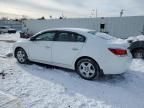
<point>42,18</point>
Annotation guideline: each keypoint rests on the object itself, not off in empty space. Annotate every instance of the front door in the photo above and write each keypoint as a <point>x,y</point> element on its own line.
<point>41,47</point>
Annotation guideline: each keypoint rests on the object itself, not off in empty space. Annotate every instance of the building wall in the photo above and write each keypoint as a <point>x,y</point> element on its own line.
<point>121,27</point>
<point>126,26</point>
<point>13,24</point>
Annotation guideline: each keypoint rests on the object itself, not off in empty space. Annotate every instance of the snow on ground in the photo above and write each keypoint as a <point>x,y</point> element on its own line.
<point>140,38</point>
<point>9,37</point>
<point>5,47</point>
<point>45,87</point>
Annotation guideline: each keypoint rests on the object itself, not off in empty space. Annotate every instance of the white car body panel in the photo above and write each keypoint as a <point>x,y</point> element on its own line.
<point>62,53</point>
<point>68,52</point>
<point>40,50</point>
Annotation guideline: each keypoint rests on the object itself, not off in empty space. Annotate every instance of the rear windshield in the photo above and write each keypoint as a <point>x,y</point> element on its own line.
<point>92,32</point>
<point>101,35</point>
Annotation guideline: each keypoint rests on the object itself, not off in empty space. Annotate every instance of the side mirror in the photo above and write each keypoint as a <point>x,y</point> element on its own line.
<point>32,39</point>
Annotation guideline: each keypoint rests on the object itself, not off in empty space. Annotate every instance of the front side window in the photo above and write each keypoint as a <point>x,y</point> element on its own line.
<point>48,36</point>
<point>70,37</point>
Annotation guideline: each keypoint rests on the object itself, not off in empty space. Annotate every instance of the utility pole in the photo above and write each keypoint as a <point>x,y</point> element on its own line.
<point>95,12</point>
<point>143,30</point>
<point>121,12</point>
<point>62,15</point>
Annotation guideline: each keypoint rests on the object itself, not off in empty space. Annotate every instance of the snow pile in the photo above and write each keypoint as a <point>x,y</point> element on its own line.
<point>8,101</point>
<point>118,40</point>
<point>9,37</point>
<point>42,87</point>
<point>136,38</point>
<point>5,48</point>
<point>38,92</point>
<point>105,36</point>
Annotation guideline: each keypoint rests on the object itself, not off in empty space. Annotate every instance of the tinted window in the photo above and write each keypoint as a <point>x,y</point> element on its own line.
<point>70,37</point>
<point>79,38</point>
<point>48,36</point>
<point>64,36</point>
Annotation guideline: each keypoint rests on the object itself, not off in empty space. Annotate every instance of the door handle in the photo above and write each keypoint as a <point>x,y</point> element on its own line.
<point>75,49</point>
<point>47,47</point>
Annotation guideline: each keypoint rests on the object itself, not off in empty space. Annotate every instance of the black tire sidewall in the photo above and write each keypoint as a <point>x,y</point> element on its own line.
<point>96,66</point>
<point>26,57</point>
<point>137,51</point>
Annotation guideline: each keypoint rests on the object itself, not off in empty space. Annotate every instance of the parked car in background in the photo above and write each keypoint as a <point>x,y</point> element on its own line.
<point>90,54</point>
<point>6,29</point>
<point>136,46</point>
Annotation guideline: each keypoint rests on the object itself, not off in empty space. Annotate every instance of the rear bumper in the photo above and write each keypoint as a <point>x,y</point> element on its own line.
<point>118,66</point>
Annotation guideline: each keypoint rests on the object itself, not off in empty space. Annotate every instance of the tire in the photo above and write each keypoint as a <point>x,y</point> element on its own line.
<point>138,53</point>
<point>21,56</point>
<point>88,69</point>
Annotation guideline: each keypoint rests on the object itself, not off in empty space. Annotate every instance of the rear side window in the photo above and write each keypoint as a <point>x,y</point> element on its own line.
<point>79,38</point>
<point>64,36</point>
<point>69,37</point>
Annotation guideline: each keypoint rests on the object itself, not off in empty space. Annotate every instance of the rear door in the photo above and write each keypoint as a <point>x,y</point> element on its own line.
<point>66,47</point>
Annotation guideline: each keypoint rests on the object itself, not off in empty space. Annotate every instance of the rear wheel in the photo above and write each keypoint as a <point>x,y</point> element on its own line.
<point>138,53</point>
<point>88,69</point>
<point>21,56</point>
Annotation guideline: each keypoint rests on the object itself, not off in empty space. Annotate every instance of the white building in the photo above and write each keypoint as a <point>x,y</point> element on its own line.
<point>10,23</point>
<point>121,27</point>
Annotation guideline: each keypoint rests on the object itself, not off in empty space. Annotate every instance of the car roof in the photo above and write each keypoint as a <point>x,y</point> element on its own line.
<point>71,29</point>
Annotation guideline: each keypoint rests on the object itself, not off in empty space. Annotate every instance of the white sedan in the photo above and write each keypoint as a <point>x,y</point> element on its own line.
<point>83,50</point>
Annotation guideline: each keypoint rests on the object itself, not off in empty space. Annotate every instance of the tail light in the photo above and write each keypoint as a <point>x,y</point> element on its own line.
<point>119,52</point>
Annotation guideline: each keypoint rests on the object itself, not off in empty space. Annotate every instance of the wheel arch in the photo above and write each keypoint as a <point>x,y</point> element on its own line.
<point>84,57</point>
<point>16,50</point>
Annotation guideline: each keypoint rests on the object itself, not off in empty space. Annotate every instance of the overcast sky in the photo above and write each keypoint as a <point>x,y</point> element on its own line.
<point>70,8</point>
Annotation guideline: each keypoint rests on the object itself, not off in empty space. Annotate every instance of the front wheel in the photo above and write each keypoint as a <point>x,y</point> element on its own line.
<point>21,56</point>
<point>88,69</point>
